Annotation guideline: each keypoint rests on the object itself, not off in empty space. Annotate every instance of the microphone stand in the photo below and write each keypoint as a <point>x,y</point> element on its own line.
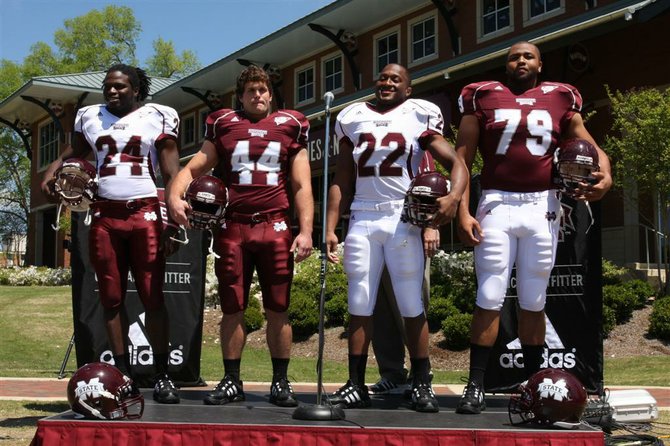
<point>320,411</point>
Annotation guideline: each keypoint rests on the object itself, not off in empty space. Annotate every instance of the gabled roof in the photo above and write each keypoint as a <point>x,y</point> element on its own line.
<point>64,88</point>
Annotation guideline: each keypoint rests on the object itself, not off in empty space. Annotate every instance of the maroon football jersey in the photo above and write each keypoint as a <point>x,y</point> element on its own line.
<point>255,156</point>
<point>518,134</point>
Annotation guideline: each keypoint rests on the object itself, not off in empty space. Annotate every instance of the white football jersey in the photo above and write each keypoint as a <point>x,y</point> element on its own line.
<point>387,150</point>
<point>125,148</point>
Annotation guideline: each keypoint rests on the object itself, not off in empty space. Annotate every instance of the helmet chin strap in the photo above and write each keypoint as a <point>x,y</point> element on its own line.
<point>588,208</point>
<point>211,245</point>
<point>87,219</point>
<point>56,227</point>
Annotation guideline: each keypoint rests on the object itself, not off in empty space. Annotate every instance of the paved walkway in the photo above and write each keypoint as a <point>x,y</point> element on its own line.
<point>52,389</point>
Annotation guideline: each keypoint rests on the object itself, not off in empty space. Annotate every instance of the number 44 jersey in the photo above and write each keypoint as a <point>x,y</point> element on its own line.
<point>518,134</point>
<point>125,147</point>
<point>254,156</point>
<point>387,146</point>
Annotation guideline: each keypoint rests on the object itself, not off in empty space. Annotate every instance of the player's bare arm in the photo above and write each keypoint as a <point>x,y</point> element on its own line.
<point>339,196</point>
<point>301,185</point>
<point>201,163</point>
<point>78,149</point>
<point>168,161</point>
<point>469,230</point>
<point>445,154</point>
<point>603,178</point>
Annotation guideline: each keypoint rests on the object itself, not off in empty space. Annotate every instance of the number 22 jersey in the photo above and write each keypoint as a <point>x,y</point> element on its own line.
<point>386,145</point>
<point>518,134</point>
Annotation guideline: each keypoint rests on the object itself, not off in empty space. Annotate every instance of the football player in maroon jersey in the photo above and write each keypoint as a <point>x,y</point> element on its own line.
<point>516,127</point>
<point>263,155</point>
<point>126,232</point>
<point>381,148</point>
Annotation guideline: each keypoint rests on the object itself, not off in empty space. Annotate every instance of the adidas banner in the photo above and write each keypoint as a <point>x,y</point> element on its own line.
<point>184,296</point>
<point>573,340</point>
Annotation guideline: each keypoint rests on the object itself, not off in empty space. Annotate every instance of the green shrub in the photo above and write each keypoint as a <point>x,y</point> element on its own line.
<point>303,313</point>
<point>456,330</point>
<point>642,290</point>
<point>453,275</point>
<point>612,274</point>
<point>659,326</point>
<point>253,316</point>
<point>439,309</point>
<point>609,320</point>
<point>621,299</point>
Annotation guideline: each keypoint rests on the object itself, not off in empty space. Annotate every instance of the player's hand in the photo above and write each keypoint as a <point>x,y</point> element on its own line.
<point>469,231</point>
<point>167,245</point>
<point>593,190</point>
<point>431,241</point>
<point>179,210</point>
<point>302,247</point>
<point>331,248</point>
<point>447,207</point>
<point>47,186</point>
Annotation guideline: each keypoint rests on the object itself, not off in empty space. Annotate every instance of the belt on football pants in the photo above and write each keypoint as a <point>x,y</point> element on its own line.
<point>509,197</point>
<point>136,203</point>
<point>256,217</point>
<point>374,206</point>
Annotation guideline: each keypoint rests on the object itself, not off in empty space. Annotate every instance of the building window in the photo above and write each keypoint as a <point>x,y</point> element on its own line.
<point>495,16</point>
<point>188,131</point>
<point>304,85</point>
<point>541,7</point>
<point>48,151</point>
<point>387,50</point>
<point>423,39</point>
<point>332,72</point>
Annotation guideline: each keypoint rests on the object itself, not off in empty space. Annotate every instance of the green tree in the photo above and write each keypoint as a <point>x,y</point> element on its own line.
<point>14,185</point>
<point>98,39</point>
<point>166,63</point>
<point>639,147</point>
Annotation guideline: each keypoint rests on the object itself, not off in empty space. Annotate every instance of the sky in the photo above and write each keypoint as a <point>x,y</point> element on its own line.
<point>213,29</point>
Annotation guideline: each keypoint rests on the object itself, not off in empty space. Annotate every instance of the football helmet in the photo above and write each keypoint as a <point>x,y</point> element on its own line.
<point>208,198</point>
<point>549,397</point>
<point>100,391</point>
<point>576,159</point>
<point>75,184</point>
<point>421,198</point>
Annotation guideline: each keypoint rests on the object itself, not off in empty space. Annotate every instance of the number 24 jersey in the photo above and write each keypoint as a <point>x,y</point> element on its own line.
<point>125,147</point>
<point>518,134</point>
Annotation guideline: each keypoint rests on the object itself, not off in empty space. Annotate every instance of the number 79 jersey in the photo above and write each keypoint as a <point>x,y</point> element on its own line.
<point>255,156</point>
<point>125,147</point>
<point>518,134</point>
<point>387,147</point>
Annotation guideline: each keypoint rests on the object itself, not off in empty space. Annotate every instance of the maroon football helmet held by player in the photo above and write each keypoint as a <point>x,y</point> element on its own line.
<point>99,391</point>
<point>75,186</point>
<point>421,198</point>
<point>550,397</point>
<point>208,198</point>
<point>575,160</point>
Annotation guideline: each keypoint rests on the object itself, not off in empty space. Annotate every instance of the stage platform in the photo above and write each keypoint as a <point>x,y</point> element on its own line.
<point>255,421</point>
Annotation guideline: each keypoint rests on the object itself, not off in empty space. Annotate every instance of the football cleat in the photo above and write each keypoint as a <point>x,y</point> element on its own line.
<point>281,394</point>
<point>351,396</point>
<point>228,390</point>
<point>472,400</point>
<point>165,391</point>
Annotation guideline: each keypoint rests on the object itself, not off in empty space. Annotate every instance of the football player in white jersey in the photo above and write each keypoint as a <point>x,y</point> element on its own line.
<point>128,140</point>
<point>381,146</point>
<point>516,127</point>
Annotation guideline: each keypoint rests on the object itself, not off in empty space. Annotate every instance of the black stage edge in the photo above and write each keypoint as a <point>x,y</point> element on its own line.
<point>257,422</point>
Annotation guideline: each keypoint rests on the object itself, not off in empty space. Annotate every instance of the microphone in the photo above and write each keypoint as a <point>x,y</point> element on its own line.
<point>328,98</point>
